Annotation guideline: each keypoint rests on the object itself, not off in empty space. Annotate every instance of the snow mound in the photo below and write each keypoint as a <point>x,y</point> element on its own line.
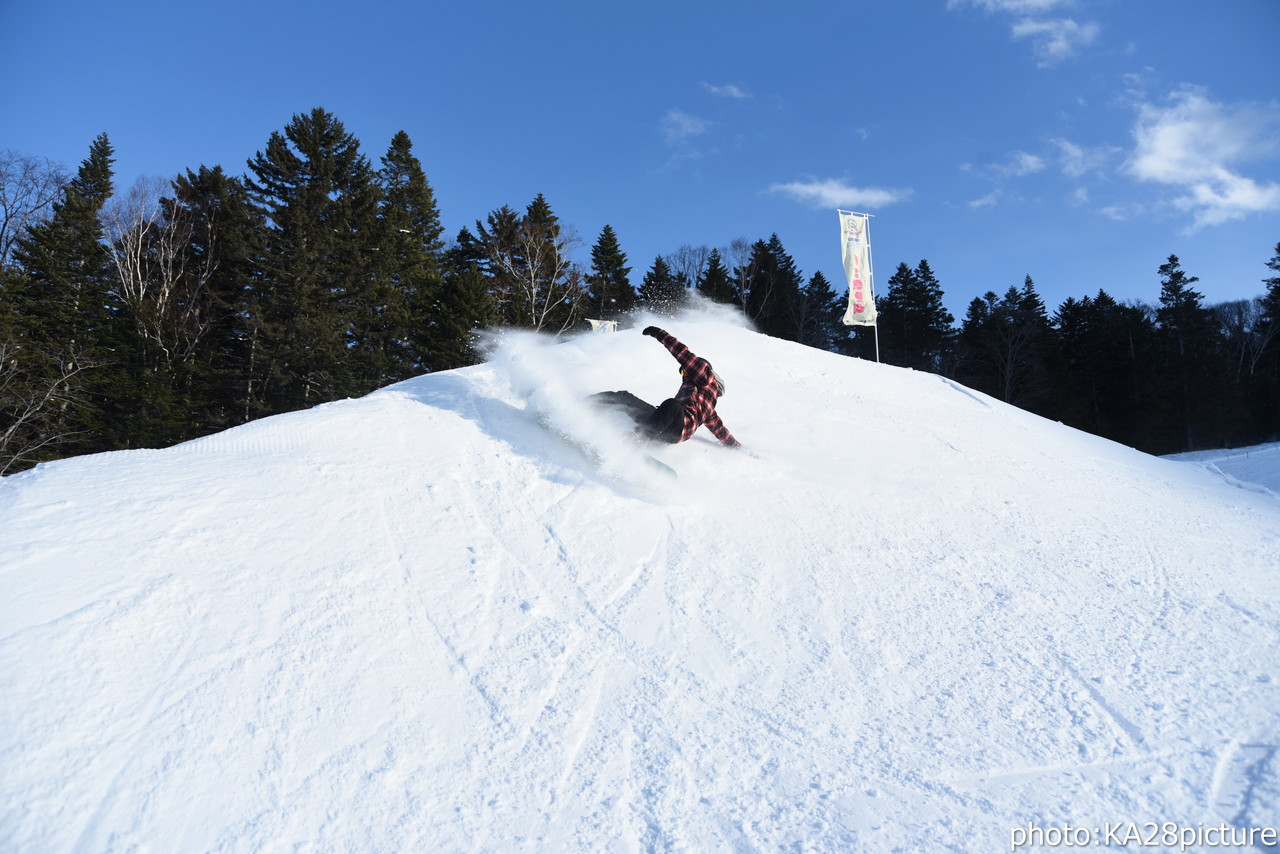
<point>914,620</point>
<point>1255,468</point>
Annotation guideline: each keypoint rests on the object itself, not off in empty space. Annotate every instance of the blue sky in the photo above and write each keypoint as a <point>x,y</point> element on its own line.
<point>1078,141</point>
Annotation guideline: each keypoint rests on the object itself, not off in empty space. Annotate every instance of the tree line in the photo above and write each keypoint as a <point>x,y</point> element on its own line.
<point>179,308</point>
<point>1175,376</point>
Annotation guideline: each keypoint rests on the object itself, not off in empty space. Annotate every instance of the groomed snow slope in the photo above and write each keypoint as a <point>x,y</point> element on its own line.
<point>418,621</point>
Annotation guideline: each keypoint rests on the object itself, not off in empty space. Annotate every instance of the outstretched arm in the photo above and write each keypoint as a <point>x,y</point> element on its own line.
<point>683,355</point>
<point>721,432</point>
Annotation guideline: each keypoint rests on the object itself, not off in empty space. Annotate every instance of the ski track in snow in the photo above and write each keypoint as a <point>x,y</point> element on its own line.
<point>913,619</point>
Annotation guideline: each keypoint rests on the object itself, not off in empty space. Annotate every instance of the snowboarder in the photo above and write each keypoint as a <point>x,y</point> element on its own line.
<point>677,418</point>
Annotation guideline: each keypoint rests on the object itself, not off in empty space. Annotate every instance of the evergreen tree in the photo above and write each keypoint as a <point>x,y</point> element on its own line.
<point>223,244</point>
<point>1003,343</point>
<point>464,307</point>
<point>916,328</point>
<point>64,298</point>
<point>661,291</point>
<point>610,286</point>
<point>820,315</point>
<point>773,290</point>
<point>410,274</point>
<point>895,319</point>
<point>935,326</point>
<point>1184,322</point>
<point>1103,372</point>
<point>529,263</point>
<point>1264,384</point>
<point>1033,321</point>
<point>317,191</point>
<point>500,253</point>
<point>715,283</point>
<point>179,290</point>
<point>66,317</point>
<point>1192,378</point>
<point>1271,299</point>
<point>1269,322</point>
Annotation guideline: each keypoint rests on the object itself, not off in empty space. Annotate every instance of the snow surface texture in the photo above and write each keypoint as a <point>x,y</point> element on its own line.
<point>420,621</point>
<point>1256,468</point>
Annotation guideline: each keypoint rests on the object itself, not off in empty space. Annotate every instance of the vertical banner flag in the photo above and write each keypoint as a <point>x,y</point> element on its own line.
<point>856,249</point>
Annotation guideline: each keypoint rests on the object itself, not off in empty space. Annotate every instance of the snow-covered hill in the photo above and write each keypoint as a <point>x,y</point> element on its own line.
<point>914,620</point>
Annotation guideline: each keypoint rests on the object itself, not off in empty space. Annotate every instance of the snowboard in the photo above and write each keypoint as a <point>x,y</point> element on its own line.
<point>658,466</point>
<point>637,458</point>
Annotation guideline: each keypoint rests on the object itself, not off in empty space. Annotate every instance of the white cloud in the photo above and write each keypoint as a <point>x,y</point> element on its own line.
<point>1054,40</point>
<point>1018,165</point>
<point>678,126</point>
<point>1196,145</point>
<point>1015,7</point>
<point>1077,161</point>
<point>1021,163</point>
<point>987,201</point>
<point>1122,213</point>
<point>728,91</point>
<point>833,193</point>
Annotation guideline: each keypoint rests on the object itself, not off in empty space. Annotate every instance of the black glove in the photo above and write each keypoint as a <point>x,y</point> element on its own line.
<point>652,331</point>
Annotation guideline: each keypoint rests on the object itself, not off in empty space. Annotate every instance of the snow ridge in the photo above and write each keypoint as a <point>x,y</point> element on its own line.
<point>913,619</point>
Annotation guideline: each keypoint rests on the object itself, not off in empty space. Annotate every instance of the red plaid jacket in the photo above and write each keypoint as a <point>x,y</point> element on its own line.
<point>698,393</point>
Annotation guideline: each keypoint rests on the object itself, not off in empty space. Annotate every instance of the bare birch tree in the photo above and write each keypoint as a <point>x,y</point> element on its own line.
<point>161,283</point>
<point>1247,337</point>
<point>547,290</point>
<point>737,256</point>
<point>28,188</point>
<point>688,262</point>
<point>36,390</point>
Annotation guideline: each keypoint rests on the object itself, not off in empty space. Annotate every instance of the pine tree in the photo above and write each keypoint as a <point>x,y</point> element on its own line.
<point>612,294</point>
<point>1264,384</point>
<point>65,315</point>
<point>773,290</point>
<point>1104,368</point>
<point>715,283</point>
<point>317,191</point>
<point>528,260</point>
<point>1002,345</point>
<point>64,298</point>
<point>410,274</point>
<point>1033,321</point>
<point>464,307</point>
<point>179,283</point>
<point>1270,319</point>
<point>500,253</point>
<point>820,315</point>
<point>895,318</point>
<point>1182,317</point>
<point>936,325</point>
<point>224,234</point>
<point>1192,372</point>
<point>661,291</point>
<point>916,328</point>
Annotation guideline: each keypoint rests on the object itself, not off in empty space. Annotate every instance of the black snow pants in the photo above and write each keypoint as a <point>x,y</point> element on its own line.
<point>662,423</point>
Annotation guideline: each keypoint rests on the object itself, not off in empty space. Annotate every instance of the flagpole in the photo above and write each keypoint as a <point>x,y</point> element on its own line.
<point>871,284</point>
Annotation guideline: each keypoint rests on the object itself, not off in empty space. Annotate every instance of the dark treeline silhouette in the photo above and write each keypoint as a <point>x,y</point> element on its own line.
<point>1179,376</point>
<point>178,308</point>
